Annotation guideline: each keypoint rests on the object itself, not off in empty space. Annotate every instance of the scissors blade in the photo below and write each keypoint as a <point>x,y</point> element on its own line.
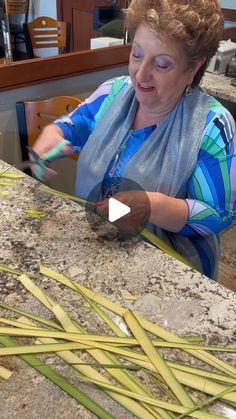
<point>24,165</point>
<point>35,159</point>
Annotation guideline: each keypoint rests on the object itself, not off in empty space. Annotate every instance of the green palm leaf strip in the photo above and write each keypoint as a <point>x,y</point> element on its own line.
<point>146,324</point>
<point>5,373</point>
<point>102,349</point>
<point>198,382</point>
<point>35,213</point>
<point>5,174</point>
<point>16,272</point>
<point>32,316</point>
<point>154,402</point>
<point>11,176</point>
<point>60,381</point>
<point>156,359</point>
<point>209,401</point>
<point>131,405</point>
<point>202,373</point>
<point>87,371</point>
<point>5,183</point>
<point>160,244</point>
<point>123,377</point>
<point>93,340</point>
<point>113,326</point>
<point>188,379</point>
<point>66,196</point>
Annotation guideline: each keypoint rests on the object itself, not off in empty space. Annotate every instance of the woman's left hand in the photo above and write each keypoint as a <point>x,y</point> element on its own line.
<point>139,205</point>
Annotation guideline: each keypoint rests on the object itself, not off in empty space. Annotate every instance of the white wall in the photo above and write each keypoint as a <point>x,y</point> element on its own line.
<point>45,8</point>
<point>228,4</point>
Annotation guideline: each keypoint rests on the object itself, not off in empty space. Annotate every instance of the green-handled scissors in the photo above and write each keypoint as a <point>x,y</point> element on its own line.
<point>41,169</point>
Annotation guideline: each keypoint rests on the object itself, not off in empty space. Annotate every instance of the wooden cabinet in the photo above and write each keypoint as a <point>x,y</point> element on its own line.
<point>80,14</point>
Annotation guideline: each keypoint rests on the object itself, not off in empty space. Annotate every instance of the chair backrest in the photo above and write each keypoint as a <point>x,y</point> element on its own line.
<point>17,7</point>
<point>32,117</point>
<point>46,32</point>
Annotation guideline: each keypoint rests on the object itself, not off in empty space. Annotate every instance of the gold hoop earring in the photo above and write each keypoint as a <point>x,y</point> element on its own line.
<point>188,90</point>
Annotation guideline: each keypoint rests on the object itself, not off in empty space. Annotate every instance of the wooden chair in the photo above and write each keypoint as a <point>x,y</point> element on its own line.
<point>45,32</point>
<point>17,8</point>
<point>32,117</point>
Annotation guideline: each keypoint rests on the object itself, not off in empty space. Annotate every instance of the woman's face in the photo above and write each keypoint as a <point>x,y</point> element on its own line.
<point>158,71</point>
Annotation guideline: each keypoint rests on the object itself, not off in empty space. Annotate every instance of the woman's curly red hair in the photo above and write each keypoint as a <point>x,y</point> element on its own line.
<point>194,24</point>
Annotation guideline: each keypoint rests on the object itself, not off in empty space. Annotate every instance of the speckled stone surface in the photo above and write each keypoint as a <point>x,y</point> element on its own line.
<point>220,86</point>
<point>168,292</point>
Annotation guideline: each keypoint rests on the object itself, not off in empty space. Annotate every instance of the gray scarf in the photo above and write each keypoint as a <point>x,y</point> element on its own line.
<point>164,162</point>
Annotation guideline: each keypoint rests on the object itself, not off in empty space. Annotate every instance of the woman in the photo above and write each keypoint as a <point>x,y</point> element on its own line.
<point>160,130</point>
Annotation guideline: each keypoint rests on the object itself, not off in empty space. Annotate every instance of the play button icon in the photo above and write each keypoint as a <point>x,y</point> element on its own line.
<point>115,216</point>
<point>116,210</point>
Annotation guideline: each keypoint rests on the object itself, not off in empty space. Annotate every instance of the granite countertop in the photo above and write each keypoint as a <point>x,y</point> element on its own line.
<point>218,85</point>
<point>168,292</point>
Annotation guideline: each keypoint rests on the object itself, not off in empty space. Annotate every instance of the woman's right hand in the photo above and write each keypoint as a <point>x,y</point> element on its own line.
<point>50,137</point>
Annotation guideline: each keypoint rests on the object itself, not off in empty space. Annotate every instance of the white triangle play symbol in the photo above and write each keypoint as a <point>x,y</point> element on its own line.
<point>116,209</point>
